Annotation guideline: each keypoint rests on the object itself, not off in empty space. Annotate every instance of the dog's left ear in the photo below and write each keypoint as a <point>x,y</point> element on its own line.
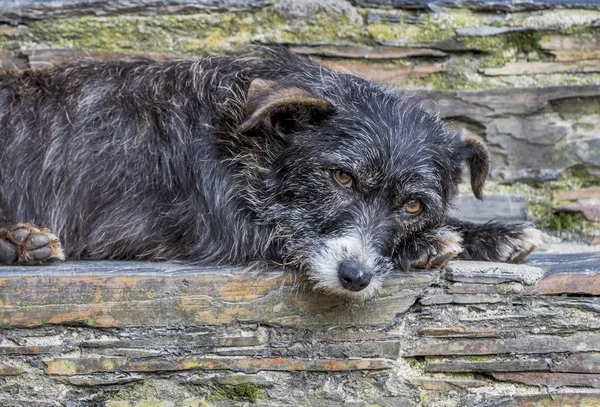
<point>284,109</point>
<point>476,154</point>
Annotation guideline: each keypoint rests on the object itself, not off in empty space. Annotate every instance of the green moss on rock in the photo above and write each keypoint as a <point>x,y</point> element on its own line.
<point>195,403</point>
<point>240,392</point>
<point>190,34</point>
<point>483,44</point>
<point>215,31</point>
<point>540,204</point>
<point>428,27</point>
<point>562,220</point>
<point>114,395</point>
<point>506,47</point>
<point>523,41</point>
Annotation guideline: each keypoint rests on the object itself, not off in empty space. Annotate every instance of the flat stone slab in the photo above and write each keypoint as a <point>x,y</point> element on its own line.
<point>110,329</point>
<point>485,31</point>
<point>118,293</point>
<point>566,259</point>
<point>567,272</point>
<point>366,52</point>
<point>114,267</point>
<point>519,126</point>
<point>40,9</point>
<point>551,379</point>
<point>133,293</point>
<point>493,273</point>
<point>508,207</point>
<point>12,10</point>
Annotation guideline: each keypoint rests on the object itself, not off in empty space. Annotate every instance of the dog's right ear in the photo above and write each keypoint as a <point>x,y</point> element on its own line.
<point>283,109</point>
<point>476,154</point>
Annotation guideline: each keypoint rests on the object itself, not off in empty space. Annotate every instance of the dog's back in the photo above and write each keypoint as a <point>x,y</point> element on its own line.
<point>119,158</point>
<point>112,156</point>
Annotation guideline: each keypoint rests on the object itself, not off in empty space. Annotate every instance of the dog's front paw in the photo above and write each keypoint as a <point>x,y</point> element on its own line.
<point>515,248</point>
<point>27,244</point>
<point>445,246</point>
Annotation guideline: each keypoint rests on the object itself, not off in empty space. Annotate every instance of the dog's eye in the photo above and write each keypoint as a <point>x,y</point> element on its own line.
<point>413,206</point>
<point>343,178</point>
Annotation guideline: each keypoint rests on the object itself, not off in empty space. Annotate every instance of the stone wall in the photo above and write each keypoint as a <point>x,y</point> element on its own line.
<point>141,334</point>
<point>415,44</point>
<point>473,57</point>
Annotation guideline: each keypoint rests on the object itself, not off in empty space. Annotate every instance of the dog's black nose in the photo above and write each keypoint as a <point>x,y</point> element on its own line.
<point>353,275</point>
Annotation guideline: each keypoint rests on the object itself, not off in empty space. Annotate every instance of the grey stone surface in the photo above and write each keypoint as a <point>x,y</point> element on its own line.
<point>307,9</point>
<point>479,271</point>
<point>485,31</point>
<point>508,207</point>
<point>23,10</point>
<point>536,263</point>
<point>566,263</point>
<point>532,134</point>
<point>13,11</point>
<point>482,4</point>
<point>114,267</point>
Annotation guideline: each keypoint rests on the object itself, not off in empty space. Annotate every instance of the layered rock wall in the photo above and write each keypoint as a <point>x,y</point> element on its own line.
<point>137,334</point>
<point>524,76</point>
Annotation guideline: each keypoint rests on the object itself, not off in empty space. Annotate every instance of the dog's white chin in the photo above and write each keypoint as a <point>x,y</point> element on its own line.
<point>325,263</point>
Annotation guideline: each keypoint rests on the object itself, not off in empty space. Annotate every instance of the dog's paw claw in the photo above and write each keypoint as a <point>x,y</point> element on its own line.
<point>520,257</point>
<point>27,244</point>
<point>445,249</point>
<point>520,247</point>
<point>441,260</point>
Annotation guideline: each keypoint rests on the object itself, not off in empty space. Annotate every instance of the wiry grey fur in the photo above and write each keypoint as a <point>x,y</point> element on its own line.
<point>229,160</point>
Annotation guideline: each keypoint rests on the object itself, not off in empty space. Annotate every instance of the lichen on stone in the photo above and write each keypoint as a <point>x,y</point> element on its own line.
<point>239,392</point>
<point>540,203</point>
<point>190,33</point>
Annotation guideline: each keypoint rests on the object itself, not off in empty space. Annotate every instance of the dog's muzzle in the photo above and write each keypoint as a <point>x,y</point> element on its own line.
<point>346,265</point>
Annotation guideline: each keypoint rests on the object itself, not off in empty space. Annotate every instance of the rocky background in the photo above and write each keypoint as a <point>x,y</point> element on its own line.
<point>523,76</point>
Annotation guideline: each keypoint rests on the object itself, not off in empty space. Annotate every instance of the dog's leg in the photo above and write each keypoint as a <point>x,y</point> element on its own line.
<point>25,243</point>
<point>430,249</point>
<point>496,241</point>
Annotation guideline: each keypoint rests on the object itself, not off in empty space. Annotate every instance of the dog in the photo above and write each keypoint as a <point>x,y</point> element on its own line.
<point>265,158</point>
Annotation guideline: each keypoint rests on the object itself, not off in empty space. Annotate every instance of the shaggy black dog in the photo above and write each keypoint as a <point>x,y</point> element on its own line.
<point>266,158</point>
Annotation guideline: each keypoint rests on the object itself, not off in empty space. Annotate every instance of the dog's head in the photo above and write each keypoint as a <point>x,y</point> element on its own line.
<point>349,172</point>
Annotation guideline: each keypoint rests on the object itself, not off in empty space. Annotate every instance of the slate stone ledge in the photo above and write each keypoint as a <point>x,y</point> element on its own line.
<point>487,5</point>
<point>473,334</point>
<point>23,10</point>
<point>19,10</point>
